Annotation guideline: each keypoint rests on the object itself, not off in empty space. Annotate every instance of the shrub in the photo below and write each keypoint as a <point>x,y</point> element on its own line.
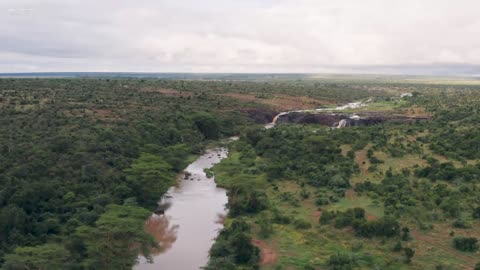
<point>322,201</point>
<point>326,217</point>
<point>460,223</point>
<point>301,224</point>
<point>465,243</point>
<point>476,213</point>
<point>341,262</point>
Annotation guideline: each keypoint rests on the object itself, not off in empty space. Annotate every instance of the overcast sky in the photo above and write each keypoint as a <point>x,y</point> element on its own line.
<point>340,36</point>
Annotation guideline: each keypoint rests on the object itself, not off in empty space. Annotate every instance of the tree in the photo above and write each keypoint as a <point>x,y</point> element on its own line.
<point>12,218</point>
<point>207,124</point>
<point>266,227</point>
<point>341,262</point>
<point>406,234</point>
<point>44,257</point>
<point>476,213</point>
<point>243,249</point>
<point>398,247</point>
<point>409,254</point>
<point>466,243</point>
<point>149,177</point>
<point>117,238</point>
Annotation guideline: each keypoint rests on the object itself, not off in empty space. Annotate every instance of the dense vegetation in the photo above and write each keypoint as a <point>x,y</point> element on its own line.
<point>84,161</point>
<point>371,197</point>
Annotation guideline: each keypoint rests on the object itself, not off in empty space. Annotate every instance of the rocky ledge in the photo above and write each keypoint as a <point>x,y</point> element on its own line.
<point>345,120</point>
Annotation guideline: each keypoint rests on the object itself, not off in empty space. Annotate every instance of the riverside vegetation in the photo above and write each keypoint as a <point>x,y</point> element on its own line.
<point>84,161</point>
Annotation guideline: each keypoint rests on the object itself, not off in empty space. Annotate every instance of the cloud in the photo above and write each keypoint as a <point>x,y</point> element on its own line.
<point>238,36</point>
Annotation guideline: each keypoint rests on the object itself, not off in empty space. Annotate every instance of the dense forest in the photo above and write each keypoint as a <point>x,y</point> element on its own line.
<point>82,159</point>
<point>83,163</point>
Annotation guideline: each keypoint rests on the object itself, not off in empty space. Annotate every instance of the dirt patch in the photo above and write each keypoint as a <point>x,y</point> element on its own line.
<point>167,92</point>
<point>350,194</point>
<point>103,113</point>
<point>370,217</point>
<point>416,111</point>
<point>361,159</point>
<point>282,102</point>
<point>345,149</point>
<point>316,215</point>
<point>268,255</point>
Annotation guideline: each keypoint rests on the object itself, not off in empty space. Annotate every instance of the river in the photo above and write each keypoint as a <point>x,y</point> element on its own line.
<point>193,219</point>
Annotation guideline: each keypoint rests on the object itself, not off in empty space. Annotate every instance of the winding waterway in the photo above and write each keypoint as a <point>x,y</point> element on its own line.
<point>193,219</point>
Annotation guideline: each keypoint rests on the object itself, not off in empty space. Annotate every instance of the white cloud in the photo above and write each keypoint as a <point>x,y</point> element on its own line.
<point>236,36</point>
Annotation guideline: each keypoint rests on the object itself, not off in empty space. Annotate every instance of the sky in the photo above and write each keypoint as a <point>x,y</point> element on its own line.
<point>244,36</point>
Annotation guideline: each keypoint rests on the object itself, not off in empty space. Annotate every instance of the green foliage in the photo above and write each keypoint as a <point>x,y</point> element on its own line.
<point>301,224</point>
<point>466,243</point>
<point>70,147</point>
<point>117,237</point>
<point>207,124</point>
<point>476,213</point>
<point>291,151</point>
<point>47,256</point>
<point>246,200</point>
<point>341,261</point>
<point>149,177</point>
<point>266,226</point>
<point>386,227</point>
<point>461,223</point>
<point>408,254</point>
<point>233,247</point>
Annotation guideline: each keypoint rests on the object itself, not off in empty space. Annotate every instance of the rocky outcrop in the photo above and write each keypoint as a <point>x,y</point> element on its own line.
<point>344,120</point>
<point>311,118</point>
<point>260,116</point>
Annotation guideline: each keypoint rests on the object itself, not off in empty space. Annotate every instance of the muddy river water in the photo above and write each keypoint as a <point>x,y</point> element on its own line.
<point>190,224</point>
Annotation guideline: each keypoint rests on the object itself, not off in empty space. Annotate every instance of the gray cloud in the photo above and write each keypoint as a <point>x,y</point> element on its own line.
<point>390,36</point>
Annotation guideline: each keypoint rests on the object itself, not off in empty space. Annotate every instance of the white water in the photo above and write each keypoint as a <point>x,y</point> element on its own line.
<point>352,105</point>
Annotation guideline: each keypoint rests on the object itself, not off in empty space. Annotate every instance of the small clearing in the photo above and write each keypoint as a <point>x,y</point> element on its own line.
<point>361,159</point>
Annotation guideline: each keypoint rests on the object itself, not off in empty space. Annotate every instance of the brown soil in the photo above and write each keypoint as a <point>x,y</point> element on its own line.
<point>268,255</point>
<point>416,111</point>
<point>345,148</point>
<point>316,215</point>
<point>370,217</point>
<point>350,194</point>
<point>361,159</point>
<point>282,102</point>
<point>103,113</point>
